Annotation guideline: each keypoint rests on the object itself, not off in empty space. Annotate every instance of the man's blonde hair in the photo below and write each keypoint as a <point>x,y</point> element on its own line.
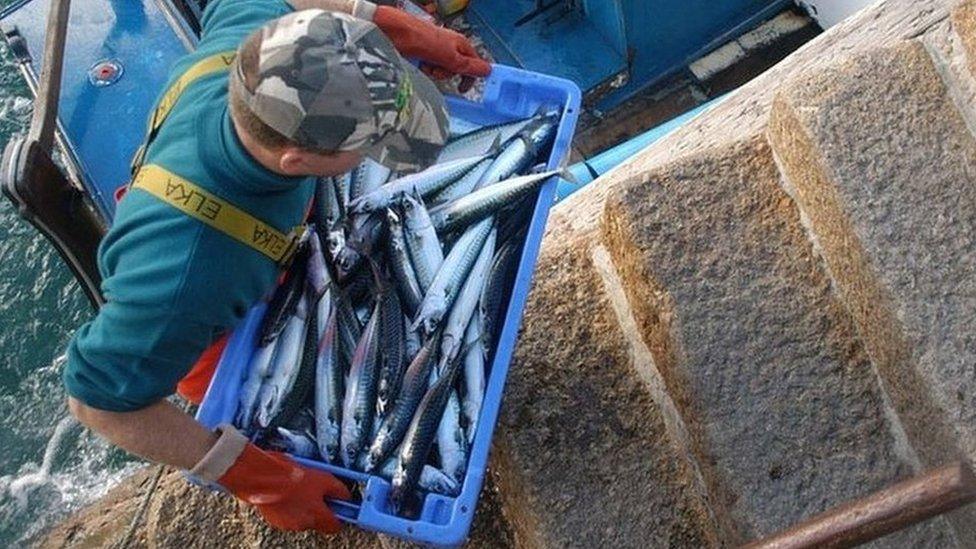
<point>247,59</point>
<point>244,118</point>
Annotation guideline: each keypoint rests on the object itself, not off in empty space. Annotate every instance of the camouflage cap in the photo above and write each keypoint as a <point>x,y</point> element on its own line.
<point>330,81</point>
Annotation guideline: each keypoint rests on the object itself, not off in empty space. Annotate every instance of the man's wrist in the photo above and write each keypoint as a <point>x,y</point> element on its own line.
<point>364,9</point>
<point>222,455</point>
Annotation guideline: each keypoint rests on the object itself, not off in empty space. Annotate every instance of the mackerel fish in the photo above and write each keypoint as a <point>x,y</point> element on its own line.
<point>318,273</point>
<point>466,304</point>
<point>294,443</point>
<point>348,328</point>
<point>485,202</point>
<point>474,376</point>
<point>425,183</point>
<point>401,266</point>
<point>285,366</point>
<point>452,444</point>
<point>412,389</point>
<point>501,277</point>
<point>259,369</point>
<point>431,479</point>
<point>329,382</point>
<point>452,274</point>
<point>481,140</point>
<point>420,437</point>
<point>359,404</point>
<point>393,351</point>
<point>284,300</point>
<point>296,390</point>
<point>426,254</point>
<point>520,153</point>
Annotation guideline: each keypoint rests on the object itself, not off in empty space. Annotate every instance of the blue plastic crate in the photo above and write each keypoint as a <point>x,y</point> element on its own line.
<point>445,521</point>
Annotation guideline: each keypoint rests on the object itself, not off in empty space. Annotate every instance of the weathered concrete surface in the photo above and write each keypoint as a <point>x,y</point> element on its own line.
<point>964,22</point>
<point>884,166</point>
<point>582,451</point>
<point>183,515</point>
<point>741,118</point>
<point>763,359</point>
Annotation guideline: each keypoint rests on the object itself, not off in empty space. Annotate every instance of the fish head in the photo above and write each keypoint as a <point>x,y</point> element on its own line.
<point>332,451</point>
<point>371,461</point>
<point>346,262</point>
<point>411,204</point>
<point>540,133</point>
<point>349,453</point>
<point>279,445</point>
<point>369,203</point>
<point>443,484</point>
<point>398,490</point>
<point>366,232</point>
<point>335,241</point>
<point>431,313</point>
<point>408,203</point>
<point>383,395</point>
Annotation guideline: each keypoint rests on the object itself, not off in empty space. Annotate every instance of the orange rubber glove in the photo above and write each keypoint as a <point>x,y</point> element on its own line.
<point>194,385</point>
<point>435,45</point>
<point>287,495</point>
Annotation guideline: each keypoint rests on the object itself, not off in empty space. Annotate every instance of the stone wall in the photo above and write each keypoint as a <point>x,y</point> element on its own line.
<point>791,279</point>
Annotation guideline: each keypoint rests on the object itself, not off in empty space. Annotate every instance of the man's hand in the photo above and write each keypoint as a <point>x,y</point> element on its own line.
<point>444,52</point>
<point>437,46</point>
<point>287,495</point>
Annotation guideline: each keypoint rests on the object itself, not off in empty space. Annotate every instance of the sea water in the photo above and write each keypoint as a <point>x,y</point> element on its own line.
<point>49,466</point>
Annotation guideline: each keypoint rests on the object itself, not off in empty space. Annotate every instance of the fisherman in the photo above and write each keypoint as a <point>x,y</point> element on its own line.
<point>275,93</point>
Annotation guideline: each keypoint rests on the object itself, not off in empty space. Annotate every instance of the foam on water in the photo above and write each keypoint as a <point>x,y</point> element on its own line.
<point>48,465</point>
<point>39,494</point>
<point>73,469</point>
<point>21,486</point>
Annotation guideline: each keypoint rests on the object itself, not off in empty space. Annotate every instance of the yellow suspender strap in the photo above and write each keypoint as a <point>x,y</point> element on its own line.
<point>218,213</point>
<point>208,65</point>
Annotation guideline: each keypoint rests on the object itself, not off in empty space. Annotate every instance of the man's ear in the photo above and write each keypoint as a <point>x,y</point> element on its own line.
<point>292,161</point>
